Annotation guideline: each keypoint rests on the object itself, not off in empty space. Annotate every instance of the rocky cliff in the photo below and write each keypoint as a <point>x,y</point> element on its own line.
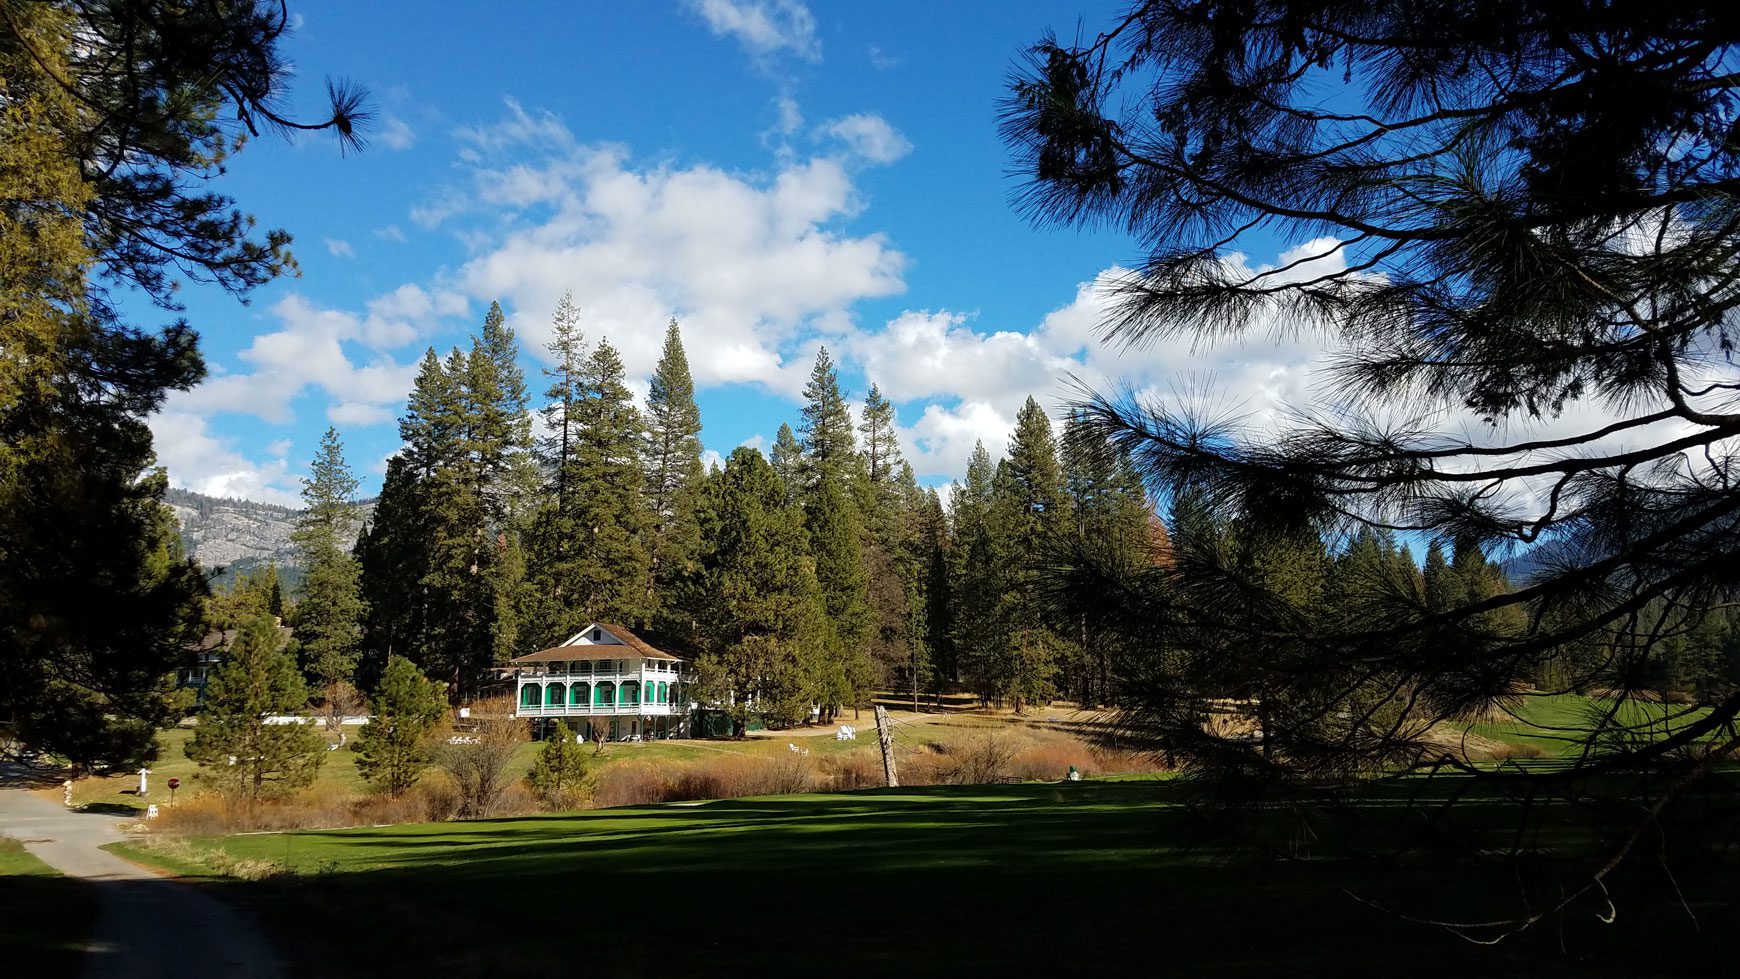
<point>237,535</point>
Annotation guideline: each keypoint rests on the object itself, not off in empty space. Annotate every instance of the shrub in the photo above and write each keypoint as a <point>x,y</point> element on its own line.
<point>644,783</point>
<point>851,771</point>
<point>558,776</point>
<point>479,766</point>
<point>984,759</point>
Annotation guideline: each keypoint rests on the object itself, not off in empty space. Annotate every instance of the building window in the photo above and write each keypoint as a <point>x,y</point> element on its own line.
<point>631,692</point>
<point>553,695</point>
<point>604,694</point>
<point>578,693</point>
<point>529,695</point>
<point>664,692</point>
<point>597,634</point>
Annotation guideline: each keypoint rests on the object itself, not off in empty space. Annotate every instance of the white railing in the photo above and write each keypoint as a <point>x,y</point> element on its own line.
<point>559,710</point>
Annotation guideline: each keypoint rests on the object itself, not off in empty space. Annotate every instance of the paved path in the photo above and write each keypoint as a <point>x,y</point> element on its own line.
<point>148,927</point>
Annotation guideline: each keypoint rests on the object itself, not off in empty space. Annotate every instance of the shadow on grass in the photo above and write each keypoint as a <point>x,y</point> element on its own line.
<point>44,920</point>
<point>1086,878</point>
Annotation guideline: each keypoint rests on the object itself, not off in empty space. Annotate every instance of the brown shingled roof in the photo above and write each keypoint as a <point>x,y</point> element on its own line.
<point>631,645</point>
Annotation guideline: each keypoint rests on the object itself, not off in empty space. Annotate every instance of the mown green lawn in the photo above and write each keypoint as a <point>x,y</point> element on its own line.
<point>1064,879</point>
<point>1559,724</point>
<point>43,916</point>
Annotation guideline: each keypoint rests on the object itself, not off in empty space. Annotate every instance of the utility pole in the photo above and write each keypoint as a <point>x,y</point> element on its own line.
<point>885,734</point>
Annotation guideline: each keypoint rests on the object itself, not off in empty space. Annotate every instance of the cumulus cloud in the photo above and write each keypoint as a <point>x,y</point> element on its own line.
<point>975,378</point>
<point>339,248</point>
<point>763,27</point>
<point>200,461</point>
<point>396,134</point>
<point>313,349</point>
<point>749,264</point>
<point>869,137</point>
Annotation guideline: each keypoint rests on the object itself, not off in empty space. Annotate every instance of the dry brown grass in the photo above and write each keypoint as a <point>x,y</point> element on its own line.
<point>323,807</point>
<point>643,783</point>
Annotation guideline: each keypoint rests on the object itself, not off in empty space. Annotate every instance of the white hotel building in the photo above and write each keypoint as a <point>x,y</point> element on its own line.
<point>608,678</point>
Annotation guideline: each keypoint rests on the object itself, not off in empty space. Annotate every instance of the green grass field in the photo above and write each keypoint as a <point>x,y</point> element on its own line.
<point>1558,724</point>
<point>43,916</point>
<point>1063,878</point>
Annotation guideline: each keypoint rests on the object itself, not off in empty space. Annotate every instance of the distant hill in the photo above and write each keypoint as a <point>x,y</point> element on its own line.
<point>239,535</point>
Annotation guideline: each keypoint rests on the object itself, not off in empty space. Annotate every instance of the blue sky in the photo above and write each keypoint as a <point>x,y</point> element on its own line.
<point>774,175</point>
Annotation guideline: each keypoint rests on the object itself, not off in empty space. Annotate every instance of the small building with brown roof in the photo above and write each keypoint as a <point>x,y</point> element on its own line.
<point>608,682</point>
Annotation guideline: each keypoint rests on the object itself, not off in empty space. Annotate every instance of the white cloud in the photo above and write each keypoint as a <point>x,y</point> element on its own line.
<point>199,461</point>
<point>396,134</point>
<point>309,351</point>
<point>881,60</point>
<point>763,27</point>
<point>869,137</point>
<point>749,264</point>
<point>339,248</point>
<point>791,116</point>
<point>391,233</point>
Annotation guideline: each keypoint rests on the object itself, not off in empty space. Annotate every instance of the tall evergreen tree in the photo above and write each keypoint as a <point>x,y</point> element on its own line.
<point>601,567</point>
<point>935,600</point>
<point>442,554</point>
<point>567,350</point>
<point>328,619</point>
<point>881,443</point>
<point>671,456</point>
<point>762,622</point>
<point>237,750</point>
<point>116,118</point>
<point>890,502</point>
<point>1111,525</point>
<point>498,423</point>
<point>788,461</point>
<point>1030,516</point>
<point>977,575</point>
<point>392,553</point>
<point>828,445</point>
<point>836,542</point>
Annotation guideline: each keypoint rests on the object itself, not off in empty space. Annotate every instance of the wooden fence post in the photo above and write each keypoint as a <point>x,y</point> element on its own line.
<point>885,734</point>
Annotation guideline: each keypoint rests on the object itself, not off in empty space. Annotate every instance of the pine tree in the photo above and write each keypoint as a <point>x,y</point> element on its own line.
<point>1111,525</point>
<point>567,349</point>
<point>832,489</point>
<point>441,557</point>
<point>935,602</point>
<point>559,771</point>
<point>239,751</point>
<point>593,562</point>
<point>1029,518</point>
<point>828,445</point>
<point>498,422</point>
<point>976,574</point>
<point>881,443</point>
<point>761,619</point>
<point>890,501</point>
<point>671,457</point>
<point>392,553</point>
<point>836,542</point>
<point>398,742</point>
<point>329,618</point>
<point>788,461</point>
<point>248,596</point>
